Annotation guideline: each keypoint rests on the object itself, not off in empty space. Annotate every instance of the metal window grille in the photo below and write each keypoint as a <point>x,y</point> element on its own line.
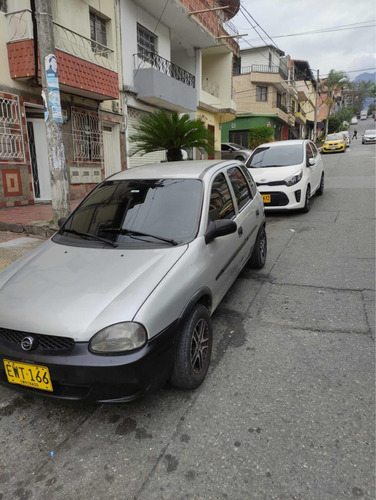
<point>146,40</point>
<point>87,136</point>
<point>11,143</point>
<point>98,32</point>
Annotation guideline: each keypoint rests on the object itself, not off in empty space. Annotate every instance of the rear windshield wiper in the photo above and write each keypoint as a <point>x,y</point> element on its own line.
<point>131,232</point>
<point>89,235</point>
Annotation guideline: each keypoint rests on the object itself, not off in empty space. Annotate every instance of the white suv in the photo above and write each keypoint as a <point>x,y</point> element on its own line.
<point>287,174</point>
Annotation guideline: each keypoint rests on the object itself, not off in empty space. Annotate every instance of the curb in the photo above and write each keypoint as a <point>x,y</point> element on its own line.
<point>37,228</point>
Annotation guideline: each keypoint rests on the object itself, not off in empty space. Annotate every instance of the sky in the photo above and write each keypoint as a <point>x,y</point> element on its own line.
<point>343,50</point>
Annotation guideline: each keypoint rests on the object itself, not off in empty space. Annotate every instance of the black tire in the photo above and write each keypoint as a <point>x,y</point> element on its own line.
<point>320,190</point>
<point>307,204</point>
<point>240,158</point>
<point>193,350</point>
<point>258,257</point>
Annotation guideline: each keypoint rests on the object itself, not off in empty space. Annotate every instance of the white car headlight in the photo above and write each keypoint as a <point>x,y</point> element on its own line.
<point>119,338</point>
<point>293,179</point>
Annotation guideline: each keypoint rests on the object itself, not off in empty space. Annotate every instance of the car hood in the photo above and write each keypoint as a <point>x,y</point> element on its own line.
<point>75,292</point>
<point>333,141</point>
<point>273,174</point>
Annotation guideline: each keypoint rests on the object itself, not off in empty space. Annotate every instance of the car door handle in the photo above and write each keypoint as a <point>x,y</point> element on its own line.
<point>240,231</point>
<point>257,212</point>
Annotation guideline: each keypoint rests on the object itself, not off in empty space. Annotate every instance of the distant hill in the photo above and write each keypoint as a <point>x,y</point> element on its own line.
<point>366,77</point>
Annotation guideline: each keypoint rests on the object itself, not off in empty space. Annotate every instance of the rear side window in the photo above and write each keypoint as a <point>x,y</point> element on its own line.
<point>240,186</point>
<point>221,205</point>
<point>309,151</point>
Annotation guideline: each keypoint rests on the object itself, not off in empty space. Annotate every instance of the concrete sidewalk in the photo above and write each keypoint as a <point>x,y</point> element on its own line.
<point>34,219</point>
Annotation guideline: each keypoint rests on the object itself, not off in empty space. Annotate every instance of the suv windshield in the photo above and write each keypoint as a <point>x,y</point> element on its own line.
<point>137,212</point>
<point>276,156</point>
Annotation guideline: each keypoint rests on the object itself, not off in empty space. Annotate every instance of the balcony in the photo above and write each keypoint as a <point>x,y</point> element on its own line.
<point>263,68</point>
<point>201,29</point>
<point>159,82</point>
<point>303,91</point>
<point>86,67</point>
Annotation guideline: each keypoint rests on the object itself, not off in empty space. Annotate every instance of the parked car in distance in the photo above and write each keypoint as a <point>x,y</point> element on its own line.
<point>354,120</point>
<point>363,115</point>
<point>120,299</point>
<point>369,136</point>
<point>287,174</point>
<point>346,135</point>
<point>232,151</point>
<point>334,143</point>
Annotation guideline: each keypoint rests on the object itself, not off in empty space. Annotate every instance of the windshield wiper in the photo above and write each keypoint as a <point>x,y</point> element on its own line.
<point>131,232</point>
<point>88,235</point>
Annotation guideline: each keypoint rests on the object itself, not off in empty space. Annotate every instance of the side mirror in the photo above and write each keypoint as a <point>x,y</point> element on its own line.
<point>311,161</point>
<point>61,221</point>
<point>220,228</point>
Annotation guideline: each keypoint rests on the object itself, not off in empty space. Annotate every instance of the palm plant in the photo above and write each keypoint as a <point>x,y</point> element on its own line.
<point>162,131</point>
<point>335,81</point>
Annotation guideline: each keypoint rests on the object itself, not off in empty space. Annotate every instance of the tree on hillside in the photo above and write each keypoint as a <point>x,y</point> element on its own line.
<point>335,81</point>
<point>162,131</point>
<point>358,93</point>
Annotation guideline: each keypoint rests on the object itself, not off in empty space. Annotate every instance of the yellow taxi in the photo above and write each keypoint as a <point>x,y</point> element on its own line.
<point>334,143</point>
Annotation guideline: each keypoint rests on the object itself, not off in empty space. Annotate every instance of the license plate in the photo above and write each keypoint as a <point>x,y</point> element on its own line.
<point>333,147</point>
<point>35,376</point>
<point>266,198</point>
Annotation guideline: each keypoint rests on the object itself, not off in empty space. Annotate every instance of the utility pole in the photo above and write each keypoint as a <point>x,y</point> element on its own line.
<point>316,108</point>
<point>53,119</point>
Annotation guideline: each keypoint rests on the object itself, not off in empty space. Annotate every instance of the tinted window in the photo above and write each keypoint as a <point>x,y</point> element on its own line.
<point>309,151</point>
<point>169,208</point>
<point>224,147</point>
<point>314,149</point>
<point>277,156</point>
<point>251,182</point>
<point>240,186</point>
<point>221,205</point>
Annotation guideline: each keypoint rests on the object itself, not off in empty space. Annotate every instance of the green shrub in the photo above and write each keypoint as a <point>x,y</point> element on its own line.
<point>259,135</point>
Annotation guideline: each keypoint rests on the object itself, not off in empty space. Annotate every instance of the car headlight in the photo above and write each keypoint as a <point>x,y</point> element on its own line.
<point>119,338</point>
<point>293,179</point>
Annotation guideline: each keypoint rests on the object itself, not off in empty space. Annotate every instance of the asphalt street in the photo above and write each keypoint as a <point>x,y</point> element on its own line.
<point>288,408</point>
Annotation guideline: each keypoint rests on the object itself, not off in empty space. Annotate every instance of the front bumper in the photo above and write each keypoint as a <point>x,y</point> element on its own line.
<point>333,148</point>
<point>369,141</point>
<point>283,197</point>
<point>83,376</point>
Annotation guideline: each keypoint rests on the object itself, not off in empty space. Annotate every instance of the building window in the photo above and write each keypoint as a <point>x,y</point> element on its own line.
<point>261,93</point>
<point>146,41</point>
<point>239,137</point>
<point>87,136</point>
<point>293,106</point>
<point>11,143</point>
<point>98,33</point>
<point>3,6</point>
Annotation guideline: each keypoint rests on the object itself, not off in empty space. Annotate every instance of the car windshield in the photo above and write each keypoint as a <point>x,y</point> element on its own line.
<point>137,213</point>
<point>370,132</point>
<point>276,156</point>
<point>236,146</point>
<point>334,137</point>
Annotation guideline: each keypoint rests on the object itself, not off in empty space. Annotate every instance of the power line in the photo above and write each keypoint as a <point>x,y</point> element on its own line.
<point>319,32</point>
<point>242,8</point>
<point>325,30</point>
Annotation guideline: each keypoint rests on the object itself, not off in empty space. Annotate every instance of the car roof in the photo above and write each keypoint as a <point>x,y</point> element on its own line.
<point>188,169</point>
<point>284,143</point>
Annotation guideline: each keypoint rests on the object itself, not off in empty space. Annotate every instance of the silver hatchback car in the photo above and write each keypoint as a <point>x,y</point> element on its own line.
<point>120,299</point>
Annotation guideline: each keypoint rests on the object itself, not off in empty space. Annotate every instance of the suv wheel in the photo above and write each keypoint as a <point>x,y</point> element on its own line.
<point>193,351</point>
<point>320,190</point>
<point>258,257</point>
<point>307,204</point>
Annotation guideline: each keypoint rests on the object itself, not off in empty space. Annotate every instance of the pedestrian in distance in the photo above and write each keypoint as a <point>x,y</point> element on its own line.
<point>355,134</point>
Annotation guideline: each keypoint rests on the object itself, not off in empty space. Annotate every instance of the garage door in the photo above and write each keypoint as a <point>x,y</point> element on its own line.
<point>134,161</point>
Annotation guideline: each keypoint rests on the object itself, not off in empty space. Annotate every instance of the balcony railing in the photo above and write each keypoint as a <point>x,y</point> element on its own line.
<point>281,107</point>
<point>145,58</point>
<point>261,68</point>
<point>300,110</point>
<point>21,28</point>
